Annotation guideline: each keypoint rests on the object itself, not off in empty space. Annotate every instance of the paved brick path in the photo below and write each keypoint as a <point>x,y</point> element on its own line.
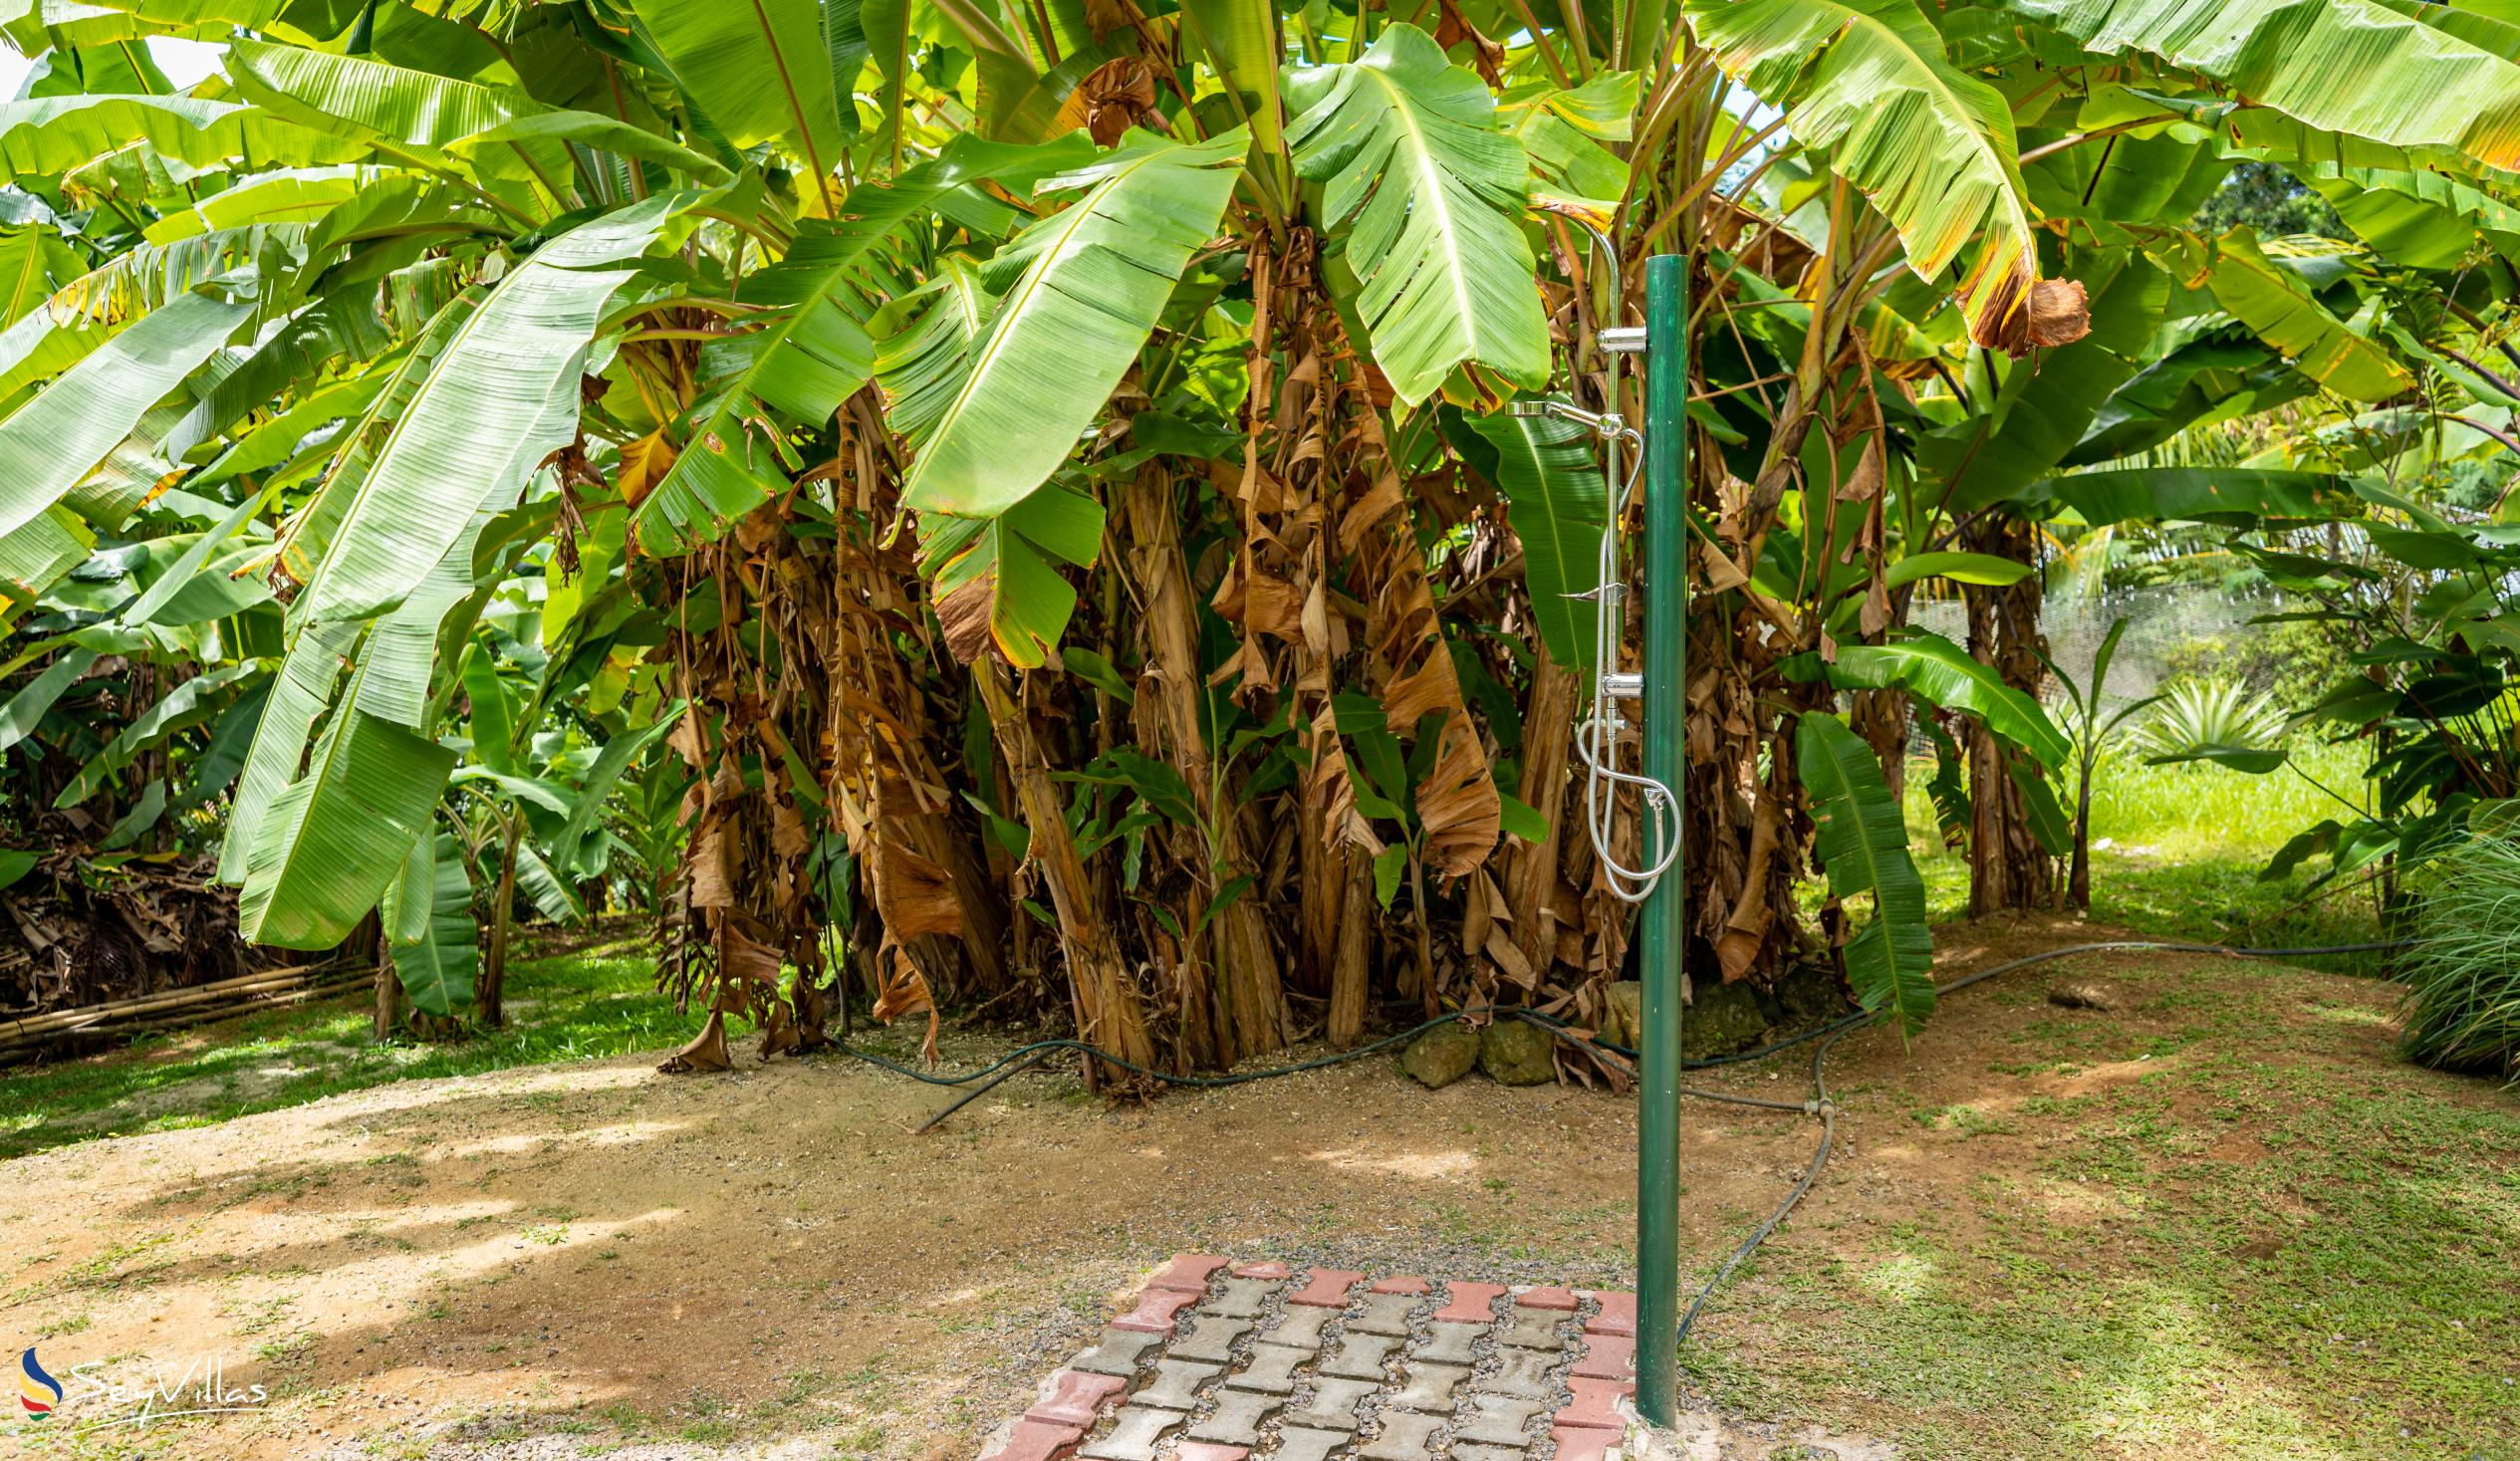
<point>1227,1363</point>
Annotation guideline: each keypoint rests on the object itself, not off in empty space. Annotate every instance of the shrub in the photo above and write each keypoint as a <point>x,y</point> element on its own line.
<point>2462,1007</point>
<point>2197,716</point>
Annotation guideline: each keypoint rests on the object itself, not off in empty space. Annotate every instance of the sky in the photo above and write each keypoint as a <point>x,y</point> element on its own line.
<point>185,63</point>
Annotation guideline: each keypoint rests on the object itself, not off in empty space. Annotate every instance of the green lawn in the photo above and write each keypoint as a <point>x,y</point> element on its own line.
<point>2278,1240</point>
<point>591,1004</point>
<point>2177,852</point>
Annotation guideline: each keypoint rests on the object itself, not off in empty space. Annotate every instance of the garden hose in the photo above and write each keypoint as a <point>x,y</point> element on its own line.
<point>1024,1057</point>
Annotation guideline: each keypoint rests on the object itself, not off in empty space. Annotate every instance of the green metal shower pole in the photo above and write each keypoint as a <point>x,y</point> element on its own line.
<point>1660,926</point>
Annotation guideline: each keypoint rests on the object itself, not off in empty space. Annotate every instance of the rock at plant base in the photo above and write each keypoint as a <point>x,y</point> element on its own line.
<point>1517,1052</point>
<point>1721,1019</point>
<point>1623,1019</point>
<point>2086,993</point>
<point>1810,994</point>
<point>1443,1056</point>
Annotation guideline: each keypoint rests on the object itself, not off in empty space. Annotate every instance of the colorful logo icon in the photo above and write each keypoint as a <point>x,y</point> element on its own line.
<point>38,1391</point>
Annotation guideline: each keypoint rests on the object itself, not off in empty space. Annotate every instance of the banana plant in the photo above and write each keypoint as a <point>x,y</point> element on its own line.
<point>866,416</point>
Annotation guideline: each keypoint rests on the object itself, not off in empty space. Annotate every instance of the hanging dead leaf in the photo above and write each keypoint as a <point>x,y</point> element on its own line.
<point>2053,312</point>
<point>1114,96</point>
<point>645,464</point>
<point>901,990</point>
<point>1486,57</point>
<point>706,1052</point>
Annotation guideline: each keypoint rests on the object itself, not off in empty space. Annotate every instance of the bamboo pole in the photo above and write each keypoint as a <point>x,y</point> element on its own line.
<point>199,1004</point>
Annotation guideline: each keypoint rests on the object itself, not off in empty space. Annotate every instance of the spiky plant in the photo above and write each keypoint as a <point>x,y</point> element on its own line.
<point>2212,719</point>
<point>2462,1006</point>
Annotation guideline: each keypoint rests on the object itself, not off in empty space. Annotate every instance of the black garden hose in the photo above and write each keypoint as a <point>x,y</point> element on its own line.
<point>1024,1057</point>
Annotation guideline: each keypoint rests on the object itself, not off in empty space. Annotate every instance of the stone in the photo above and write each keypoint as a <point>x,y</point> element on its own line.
<point>1410,1284</point>
<point>1583,1443</point>
<point>1381,1313</point>
<point>1450,1343</point>
<point>1308,1445</point>
<point>1075,1398</point>
<point>1118,1354</point>
<point>1498,1420</point>
<point>1524,1328</point>
<point>1209,1339</point>
<point>1334,1403</point>
<point>1469,1303</point>
<point>1299,1328</point>
<point>1428,1388</point>
<point>1237,1419</point>
<point>1188,1271</point>
<point>1359,1356</point>
<point>1037,1440</point>
<point>1209,1451</point>
<point>1596,1404</point>
<point>1135,1437</point>
<point>1462,1451</point>
<point>1326,1288</point>
<point>1272,1370</point>
<point>1562,1300</point>
<point>1404,1438</point>
<point>1523,1372</point>
<point>1624,1013</point>
<point>1240,1298</point>
<point>1616,1315</point>
<point>1607,1356</point>
<point>2085,994</point>
<point>1441,1056</point>
<point>1177,1384</point>
<point>1722,1018</point>
<point>1156,1311</point>
<point>1518,1053</point>
<point>1271,1270</point>
<point>1810,994</point>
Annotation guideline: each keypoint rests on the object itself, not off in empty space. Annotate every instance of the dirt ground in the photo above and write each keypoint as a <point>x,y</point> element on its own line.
<point>558,1260</point>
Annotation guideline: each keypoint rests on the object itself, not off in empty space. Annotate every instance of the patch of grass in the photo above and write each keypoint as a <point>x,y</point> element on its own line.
<point>591,1005</point>
<point>2177,852</point>
<point>2339,1287</point>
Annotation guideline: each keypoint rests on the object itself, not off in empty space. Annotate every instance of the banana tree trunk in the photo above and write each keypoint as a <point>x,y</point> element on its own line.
<point>1351,970</point>
<point>2008,870</point>
<point>1109,1012</point>
<point>1531,868</point>
<point>1249,991</point>
<point>388,982</point>
<point>494,966</point>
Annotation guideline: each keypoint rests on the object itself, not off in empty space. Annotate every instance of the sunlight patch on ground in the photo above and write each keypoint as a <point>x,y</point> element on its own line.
<point>1901,1277</point>
<point>1422,1166</point>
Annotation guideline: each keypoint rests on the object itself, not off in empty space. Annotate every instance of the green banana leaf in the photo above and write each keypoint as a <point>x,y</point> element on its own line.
<point>760,69</point>
<point>2273,302</point>
<point>1939,672</point>
<point>51,135</point>
<point>1241,41</point>
<point>53,440</point>
<point>26,709</point>
<point>2359,68</point>
<point>1932,146</point>
<point>329,844</point>
<point>1862,842</point>
<point>1425,194</point>
<point>2234,495</point>
<point>1094,278</point>
<point>501,398</point>
<point>998,581</point>
<point>1559,507</point>
<point>433,938</point>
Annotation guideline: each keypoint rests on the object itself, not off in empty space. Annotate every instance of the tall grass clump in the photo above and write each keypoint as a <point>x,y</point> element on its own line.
<point>2464,978</point>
